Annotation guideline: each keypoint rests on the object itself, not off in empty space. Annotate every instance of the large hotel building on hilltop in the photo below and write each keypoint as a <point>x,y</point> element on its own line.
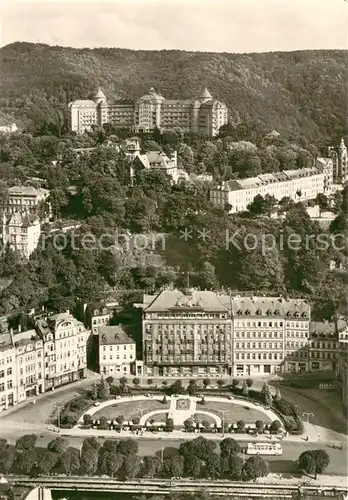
<point>202,333</point>
<point>203,115</point>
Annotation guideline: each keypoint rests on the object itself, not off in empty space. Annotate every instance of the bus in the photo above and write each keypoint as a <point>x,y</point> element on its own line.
<point>264,449</point>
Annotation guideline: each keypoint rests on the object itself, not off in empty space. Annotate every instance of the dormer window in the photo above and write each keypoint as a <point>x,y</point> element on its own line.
<point>304,315</point>
<point>277,312</point>
<point>259,312</point>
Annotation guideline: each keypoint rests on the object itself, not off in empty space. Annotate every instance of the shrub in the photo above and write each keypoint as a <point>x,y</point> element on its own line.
<point>202,401</point>
<point>220,382</point>
<point>266,394</point>
<point>259,425</point>
<point>136,381</point>
<point>109,380</point>
<point>115,390</point>
<point>123,381</point>
<point>120,419</point>
<point>87,419</point>
<point>241,426</point>
<point>206,382</point>
<point>235,383</point>
<point>149,381</point>
<point>103,423</point>
<point>169,425</point>
<point>164,400</point>
<point>284,407</point>
<point>245,389</point>
<point>275,426</point>
<point>249,382</point>
<point>136,420</point>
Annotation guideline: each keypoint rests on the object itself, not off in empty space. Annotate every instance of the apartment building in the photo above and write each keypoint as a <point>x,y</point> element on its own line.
<point>29,361</point>
<point>204,115</point>
<point>21,231</point>
<point>270,335</point>
<point>117,351</point>
<point>65,348</point>
<point>187,334</point>
<point>299,185</point>
<point>23,198</point>
<point>8,381</point>
<point>201,333</point>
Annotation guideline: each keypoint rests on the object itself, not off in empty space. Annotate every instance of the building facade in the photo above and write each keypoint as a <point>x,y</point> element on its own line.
<point>201,333</point>
<point>325,344</point>
<point>270,335</point>
<point>298,185</point>
<point>65,349</point>
<point>117,352</point>
<point>23,198</point>
<point>8,379</point>
<point>186,334</point>
<point>29,355</point>
<point>203,115</point>
<point>21,231</point>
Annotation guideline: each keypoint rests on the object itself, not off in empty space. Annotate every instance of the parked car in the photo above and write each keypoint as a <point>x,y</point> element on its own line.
<point>97,403</point>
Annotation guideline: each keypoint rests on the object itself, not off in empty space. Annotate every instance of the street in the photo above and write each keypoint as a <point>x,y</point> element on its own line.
<point>283,464</point>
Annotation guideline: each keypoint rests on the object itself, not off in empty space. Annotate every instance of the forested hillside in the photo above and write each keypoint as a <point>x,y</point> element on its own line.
<point>300,94</point>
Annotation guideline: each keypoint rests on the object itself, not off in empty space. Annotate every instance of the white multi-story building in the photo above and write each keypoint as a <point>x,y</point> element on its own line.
<point>8,379</point>
<point>298,185</point>
<point>117,351</point>
<point>270,334</point>
<point>65,348</point>
<point>203,115</point>
<point>29,356</point>
<point>21,231</point>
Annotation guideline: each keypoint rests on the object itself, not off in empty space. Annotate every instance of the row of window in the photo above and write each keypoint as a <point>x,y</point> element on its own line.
<point>117,347</point>
<point>117,357</point>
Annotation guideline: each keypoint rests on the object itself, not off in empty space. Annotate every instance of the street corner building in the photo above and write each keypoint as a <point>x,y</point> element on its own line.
<point>202,115</point>
<point>202,333</point>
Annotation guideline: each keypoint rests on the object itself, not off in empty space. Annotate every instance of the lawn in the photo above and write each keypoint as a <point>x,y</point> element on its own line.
<point>234,412</point>
<point>131,409</point>
<point>158,417</point>
<point>200,417</point>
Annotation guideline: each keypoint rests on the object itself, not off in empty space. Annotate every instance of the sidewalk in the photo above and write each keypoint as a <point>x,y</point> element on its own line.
<point>180,435</point>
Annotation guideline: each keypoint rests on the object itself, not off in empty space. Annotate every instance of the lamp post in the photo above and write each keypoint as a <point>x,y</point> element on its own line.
<point>307,415</point>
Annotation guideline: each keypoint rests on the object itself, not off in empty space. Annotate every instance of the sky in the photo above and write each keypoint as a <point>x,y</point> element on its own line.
<point>200,25</point>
